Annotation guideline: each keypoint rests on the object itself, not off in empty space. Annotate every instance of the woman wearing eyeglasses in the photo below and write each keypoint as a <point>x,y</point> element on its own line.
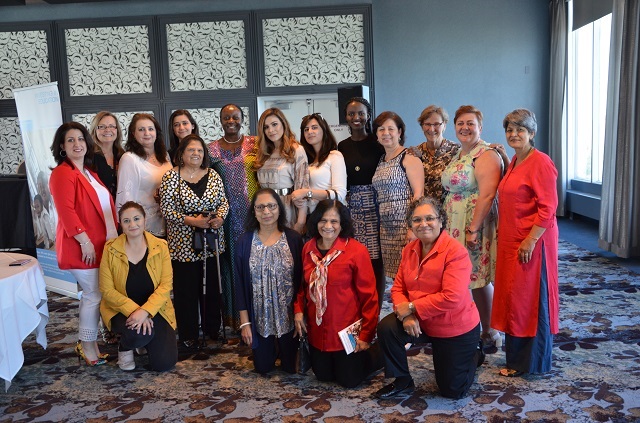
<point>281,164</point>
<point>268,272</point>
<point>436,152</point>
<point>327,171</point>
<point>107,133</point>
<point>431,303</point>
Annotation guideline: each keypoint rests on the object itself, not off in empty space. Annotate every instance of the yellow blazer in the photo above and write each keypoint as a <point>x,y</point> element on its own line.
<point>114,269</point>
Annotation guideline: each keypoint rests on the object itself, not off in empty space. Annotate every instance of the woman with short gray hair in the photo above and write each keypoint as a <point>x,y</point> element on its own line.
<point>527,260</point>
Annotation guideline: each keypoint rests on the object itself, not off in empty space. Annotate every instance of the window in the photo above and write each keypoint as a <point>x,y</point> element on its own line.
<point>588,71</point>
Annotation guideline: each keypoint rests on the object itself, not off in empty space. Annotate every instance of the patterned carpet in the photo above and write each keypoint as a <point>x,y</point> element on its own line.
<point>596,377</point>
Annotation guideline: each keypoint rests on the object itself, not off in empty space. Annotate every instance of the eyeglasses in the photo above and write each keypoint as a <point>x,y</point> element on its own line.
<point>419,220</point>
<point>103,127</point>
<point>433,125</point>
<point>260,207</point>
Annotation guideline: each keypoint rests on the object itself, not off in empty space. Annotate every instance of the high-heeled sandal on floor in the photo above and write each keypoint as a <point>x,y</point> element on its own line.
<point>506,372</point>
<point>491,340</point>
<point>80,353</point>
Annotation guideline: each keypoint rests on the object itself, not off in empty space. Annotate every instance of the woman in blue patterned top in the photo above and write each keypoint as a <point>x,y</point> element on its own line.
<point>268,271</point>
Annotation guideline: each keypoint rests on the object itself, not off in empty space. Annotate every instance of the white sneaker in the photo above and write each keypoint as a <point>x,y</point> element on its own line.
<point>126,360</point>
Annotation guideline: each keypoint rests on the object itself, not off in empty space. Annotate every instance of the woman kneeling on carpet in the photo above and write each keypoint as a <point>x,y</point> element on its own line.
<point>432,303</point>
<point>268,271</point>
<point>136,279</point>
<point>339,289</point>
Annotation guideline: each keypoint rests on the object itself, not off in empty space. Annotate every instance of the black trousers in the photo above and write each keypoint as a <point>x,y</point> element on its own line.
<point>270,348</point>
<point>381,279</point>
<point>347,370</point>
<point>189,300</point>
<point>160,343</point>
<point>455,359</point>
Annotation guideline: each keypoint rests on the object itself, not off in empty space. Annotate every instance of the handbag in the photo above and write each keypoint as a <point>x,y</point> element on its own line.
<point>304,355</point>
<point>198,239</point>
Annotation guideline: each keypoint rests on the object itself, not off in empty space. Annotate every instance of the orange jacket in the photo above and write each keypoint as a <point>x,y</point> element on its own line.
<point>438,287</point>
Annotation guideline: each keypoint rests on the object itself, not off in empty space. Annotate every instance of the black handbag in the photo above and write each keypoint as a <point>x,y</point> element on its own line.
<point>304,355</point>
<point>198,239</point>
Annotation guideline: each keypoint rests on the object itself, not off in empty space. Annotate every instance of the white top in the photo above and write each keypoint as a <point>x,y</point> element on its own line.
<point>330,175</point>
<point>105,203</point>
<point>139,180</point>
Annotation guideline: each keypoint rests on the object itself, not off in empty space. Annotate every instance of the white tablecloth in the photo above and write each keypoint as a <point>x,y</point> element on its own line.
<point>23,309</point>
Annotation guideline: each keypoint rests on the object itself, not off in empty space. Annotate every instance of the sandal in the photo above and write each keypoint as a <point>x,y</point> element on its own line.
<point>510,372</point>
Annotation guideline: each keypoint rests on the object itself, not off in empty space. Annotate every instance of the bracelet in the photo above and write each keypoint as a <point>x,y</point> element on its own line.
<point>328,194</point>
<point>82,244</point>
<point>244,324</point>
<point>535,239</point>
<point>470,232</point>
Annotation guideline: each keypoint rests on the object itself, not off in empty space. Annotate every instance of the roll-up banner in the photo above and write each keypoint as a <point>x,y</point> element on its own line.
<point>40,115</point>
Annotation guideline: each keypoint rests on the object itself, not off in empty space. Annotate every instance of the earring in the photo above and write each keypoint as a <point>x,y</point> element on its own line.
<point>63,155</point>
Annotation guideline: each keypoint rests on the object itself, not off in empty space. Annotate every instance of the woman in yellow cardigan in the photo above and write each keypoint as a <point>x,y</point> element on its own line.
<point>135,281</point>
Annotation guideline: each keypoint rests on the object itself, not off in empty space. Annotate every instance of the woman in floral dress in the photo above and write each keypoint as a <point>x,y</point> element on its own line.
<point>471,182</point>
<point>234,155</point>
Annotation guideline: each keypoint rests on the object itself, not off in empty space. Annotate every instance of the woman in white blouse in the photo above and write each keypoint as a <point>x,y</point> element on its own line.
<point>141,170</point>
<point>327,171</point>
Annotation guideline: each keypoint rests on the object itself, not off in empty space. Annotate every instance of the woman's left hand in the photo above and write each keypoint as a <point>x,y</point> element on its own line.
<point>525,251</point>
<point>361,346</point>
<point>411,326</point>
<point>299,197</point>
<point>140,319</point>
<point>472,241</point>
<point>216,222</point>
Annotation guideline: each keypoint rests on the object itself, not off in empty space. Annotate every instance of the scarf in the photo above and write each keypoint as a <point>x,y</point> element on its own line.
<point>318,282</point>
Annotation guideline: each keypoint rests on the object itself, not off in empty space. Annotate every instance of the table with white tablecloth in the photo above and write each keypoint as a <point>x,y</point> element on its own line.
<point>23,310</point>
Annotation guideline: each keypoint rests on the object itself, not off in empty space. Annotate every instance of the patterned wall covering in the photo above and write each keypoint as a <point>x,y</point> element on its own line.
<point>24,61</point>
<point>11,150</point>
<point>206,56</point>
<point>209,122</point>
<point>314,50</point>
<point>124,118</point>
<point>111,60</point>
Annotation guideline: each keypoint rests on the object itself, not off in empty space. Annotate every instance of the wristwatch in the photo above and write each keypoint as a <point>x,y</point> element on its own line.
<point>310,194</point>
<point>412,308</point>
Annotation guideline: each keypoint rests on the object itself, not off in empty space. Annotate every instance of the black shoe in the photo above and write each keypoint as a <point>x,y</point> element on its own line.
<point>191,344</point>
<point>391,390</point>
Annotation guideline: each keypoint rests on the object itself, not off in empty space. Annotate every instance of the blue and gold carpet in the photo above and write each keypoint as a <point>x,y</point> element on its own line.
<point>596,375</point>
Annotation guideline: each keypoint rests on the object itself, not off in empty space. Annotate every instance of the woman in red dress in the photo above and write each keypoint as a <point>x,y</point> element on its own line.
<point>525,301</point>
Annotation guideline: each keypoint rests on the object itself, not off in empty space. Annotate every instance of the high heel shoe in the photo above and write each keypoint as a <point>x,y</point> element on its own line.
<point>491,340</point>
<point>80,353</point>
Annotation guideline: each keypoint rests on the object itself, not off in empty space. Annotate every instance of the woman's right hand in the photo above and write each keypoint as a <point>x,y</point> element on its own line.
<point>301,328</point>
<point>199,221</point>
<point>247,335</point>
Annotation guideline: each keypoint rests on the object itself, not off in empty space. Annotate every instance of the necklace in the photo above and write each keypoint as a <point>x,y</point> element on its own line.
<point>233,142</point>
<point>192,173</point>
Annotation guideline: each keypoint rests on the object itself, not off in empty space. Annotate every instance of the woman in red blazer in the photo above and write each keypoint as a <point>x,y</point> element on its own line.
<point>339,288</point>
<point>86,219</point>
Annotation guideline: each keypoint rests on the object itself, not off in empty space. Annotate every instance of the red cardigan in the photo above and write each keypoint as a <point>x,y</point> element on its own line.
<point>79,210</point>
<point>438,287</point>
<point>351,294</point>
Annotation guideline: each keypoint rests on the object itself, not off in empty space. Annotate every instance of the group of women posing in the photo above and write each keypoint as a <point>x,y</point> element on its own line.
<point>361,206</point>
